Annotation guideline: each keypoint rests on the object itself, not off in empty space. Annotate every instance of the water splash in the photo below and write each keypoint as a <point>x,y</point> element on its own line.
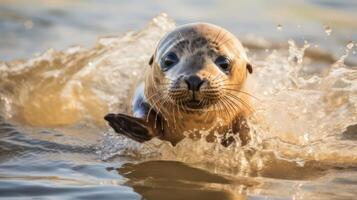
<point>64,88</point>
<point>299,117</point>
<point>328,30</point>
<point>350,45</point>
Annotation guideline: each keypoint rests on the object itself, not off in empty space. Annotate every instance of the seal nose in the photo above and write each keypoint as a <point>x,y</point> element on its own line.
<point>193,82</point>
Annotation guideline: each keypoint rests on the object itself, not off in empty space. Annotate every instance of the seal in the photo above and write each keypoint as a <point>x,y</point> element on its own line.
<point>195,82</point>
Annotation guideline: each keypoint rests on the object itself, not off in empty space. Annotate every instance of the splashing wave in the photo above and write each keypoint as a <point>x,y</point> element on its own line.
<point>300,116</point>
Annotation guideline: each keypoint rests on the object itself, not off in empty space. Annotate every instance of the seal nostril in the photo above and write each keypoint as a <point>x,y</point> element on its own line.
<point>194,82</point>
<point>188,84</point>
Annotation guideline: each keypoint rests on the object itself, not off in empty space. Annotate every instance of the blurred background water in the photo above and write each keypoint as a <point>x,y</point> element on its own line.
<point>54,143</point>
<point>29,27</point>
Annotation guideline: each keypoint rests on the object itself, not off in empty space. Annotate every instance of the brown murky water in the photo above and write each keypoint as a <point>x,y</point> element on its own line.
<point>54,143</point>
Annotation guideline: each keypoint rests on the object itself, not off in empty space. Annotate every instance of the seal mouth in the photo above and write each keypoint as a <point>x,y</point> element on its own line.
<point>194,104</point>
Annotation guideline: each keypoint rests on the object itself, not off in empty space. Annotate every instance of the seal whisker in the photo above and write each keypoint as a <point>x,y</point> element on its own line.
<point>233,84</point>
<point>215,39</point>
<point>181,104</point>
<point>229,103</point>
<point>178,40</point>
<point>225,107</point>
<point>242,102</point>
<point>165,112</point>
<point>221,108</point>
<point>239,100</point>
<point>207,113</point>
<point>229,39</point>
<point>217,78</point>
<point>223,78</point>
<point>201,103</point>
<point>173,116</point>
<point>187,47</point>
<point>219,81</point>
<point>152,107</point>
<point>223,36</point>
<point>159,110</point>
<point>153,95</point>
<point>234,105</point>
<point>178,108</point>
<point>243,92</point>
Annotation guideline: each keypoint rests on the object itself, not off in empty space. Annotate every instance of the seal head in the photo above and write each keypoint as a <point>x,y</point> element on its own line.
<point>196,78</point>
<point>197,67</point>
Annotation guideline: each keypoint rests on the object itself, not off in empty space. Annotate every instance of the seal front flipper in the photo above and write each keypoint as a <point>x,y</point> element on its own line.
<point>134,128</point>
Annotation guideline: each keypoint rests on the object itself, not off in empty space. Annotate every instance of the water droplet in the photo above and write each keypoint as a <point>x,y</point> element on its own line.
<point>328,30</point>
<point>306,136</point>
<point>28,24</point>
<point>353,52</point>
<point>301,163</point>
<point>350,45</point>
<point>279,27</point>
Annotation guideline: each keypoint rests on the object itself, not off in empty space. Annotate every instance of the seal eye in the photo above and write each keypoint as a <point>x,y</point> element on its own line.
<point>224,63</point>
<point>169,61</point>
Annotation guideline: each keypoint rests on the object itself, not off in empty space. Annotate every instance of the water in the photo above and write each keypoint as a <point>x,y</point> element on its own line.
<point>54,143</point>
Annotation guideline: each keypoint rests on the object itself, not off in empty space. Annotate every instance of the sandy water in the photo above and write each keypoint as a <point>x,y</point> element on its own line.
<point>54,143</point>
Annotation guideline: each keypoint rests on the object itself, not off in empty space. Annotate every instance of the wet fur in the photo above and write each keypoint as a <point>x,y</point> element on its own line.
<point>160,106</point>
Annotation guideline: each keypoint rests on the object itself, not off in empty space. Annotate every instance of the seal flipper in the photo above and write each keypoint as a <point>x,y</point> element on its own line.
<point>134,128</point>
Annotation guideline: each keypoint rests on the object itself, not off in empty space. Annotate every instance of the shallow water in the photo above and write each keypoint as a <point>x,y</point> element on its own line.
<point>55,144</point>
